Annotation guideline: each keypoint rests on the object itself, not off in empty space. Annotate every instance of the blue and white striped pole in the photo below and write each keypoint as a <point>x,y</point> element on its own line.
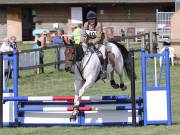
<point>15,73</point>
<point>143,63</point>
<point>168,88</point>
<point>1,89</point>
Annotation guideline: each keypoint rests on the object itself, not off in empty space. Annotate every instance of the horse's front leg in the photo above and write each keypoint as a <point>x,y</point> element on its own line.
<point>77,99</point>
<point>77,85</point>
<point>86,85</point>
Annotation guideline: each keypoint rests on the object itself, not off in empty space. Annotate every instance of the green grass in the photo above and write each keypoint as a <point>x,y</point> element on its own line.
<point>54,82</point>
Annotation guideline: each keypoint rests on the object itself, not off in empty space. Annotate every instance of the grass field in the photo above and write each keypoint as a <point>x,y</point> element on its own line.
<point>54,82</point>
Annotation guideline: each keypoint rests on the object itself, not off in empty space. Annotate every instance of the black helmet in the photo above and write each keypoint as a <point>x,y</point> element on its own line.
<point>91,15</point>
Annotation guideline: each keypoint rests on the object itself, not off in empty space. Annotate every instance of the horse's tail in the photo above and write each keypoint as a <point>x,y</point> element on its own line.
<point>126,58</point>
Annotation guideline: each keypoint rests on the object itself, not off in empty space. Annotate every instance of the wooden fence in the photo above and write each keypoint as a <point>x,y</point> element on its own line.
<point>29,59</point>
<point>149,41</point>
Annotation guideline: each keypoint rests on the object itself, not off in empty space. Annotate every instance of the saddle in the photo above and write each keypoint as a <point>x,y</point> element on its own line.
<point>79,53</point>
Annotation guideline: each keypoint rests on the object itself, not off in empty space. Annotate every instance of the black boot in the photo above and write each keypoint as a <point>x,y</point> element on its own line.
<point>104,69</point>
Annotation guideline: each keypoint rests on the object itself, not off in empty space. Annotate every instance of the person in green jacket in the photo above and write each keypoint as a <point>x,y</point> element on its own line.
<point>76,33</point>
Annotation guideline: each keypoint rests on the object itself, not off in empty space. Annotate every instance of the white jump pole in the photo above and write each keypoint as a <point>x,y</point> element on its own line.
<point>155,71</point>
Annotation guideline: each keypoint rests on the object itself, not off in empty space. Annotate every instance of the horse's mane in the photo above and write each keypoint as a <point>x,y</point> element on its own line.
<point>79,53</point>
<point>126,58</point>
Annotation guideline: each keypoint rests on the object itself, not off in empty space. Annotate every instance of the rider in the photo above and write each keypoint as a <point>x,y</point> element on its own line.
<point>93,35</point>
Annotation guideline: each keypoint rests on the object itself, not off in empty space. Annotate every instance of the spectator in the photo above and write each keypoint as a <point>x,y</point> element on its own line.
<point>6,47</point>
<point>123,34</point>
<point>41,42</point>
<point>57,41</point>
<point>14,47</point>
<point>76,33</point>
<point>13,43</point>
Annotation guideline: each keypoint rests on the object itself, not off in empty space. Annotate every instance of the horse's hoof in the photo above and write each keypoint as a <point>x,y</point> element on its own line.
<point>124,88</point>
<point>72,118</point>
<point>116,86</point>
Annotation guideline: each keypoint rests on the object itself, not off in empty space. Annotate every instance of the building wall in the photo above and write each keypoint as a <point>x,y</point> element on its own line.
<point>141,17</point>
<point>175,27</point>
<point>3,24</point>
<point>175,33</point>
<point>55,14</point>
<point>128,13</point>
<point>14,22</point>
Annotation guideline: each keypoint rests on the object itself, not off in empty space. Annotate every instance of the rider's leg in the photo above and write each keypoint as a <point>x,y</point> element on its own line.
<point>84,46</point>
<point>104,64</point>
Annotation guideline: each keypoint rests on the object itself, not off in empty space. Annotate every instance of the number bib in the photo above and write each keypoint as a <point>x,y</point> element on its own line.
<point>91,34</point>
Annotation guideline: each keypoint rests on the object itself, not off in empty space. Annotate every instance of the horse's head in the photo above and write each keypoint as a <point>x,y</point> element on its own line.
<point>69,57</point>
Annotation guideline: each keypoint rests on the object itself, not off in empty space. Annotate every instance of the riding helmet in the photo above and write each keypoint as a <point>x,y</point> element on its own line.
<point>91,15</point>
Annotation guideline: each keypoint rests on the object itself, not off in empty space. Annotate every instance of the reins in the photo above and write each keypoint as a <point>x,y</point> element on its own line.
<point>80,71</point>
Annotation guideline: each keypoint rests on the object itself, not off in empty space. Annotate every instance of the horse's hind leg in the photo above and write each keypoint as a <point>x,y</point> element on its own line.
<point>122,85</point>
<point>112,82</point>
<point>111,60</point>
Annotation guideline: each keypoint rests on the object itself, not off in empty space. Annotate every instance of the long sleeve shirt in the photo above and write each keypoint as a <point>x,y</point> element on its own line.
<point>94,36</point>
<point>5,47</point>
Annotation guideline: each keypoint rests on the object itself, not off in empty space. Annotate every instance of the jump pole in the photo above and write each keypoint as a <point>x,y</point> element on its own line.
<point>1,89</point>
<point>133,95</point>
<point>132,99</point>
<point>15,85</point>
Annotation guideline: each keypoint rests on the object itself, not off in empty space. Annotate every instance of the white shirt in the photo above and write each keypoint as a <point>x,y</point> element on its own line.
<point>5,47</point>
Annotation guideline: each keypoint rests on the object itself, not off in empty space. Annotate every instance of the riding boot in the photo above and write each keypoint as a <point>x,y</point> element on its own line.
<point>104,69</point>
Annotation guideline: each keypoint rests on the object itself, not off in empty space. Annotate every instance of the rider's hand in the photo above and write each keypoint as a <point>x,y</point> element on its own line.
<point>90,44</point>
<point>83,44</point>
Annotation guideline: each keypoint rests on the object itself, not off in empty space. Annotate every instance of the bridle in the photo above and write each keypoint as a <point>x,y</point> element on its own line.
<point>72,58</point>
<point>79,67</point>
